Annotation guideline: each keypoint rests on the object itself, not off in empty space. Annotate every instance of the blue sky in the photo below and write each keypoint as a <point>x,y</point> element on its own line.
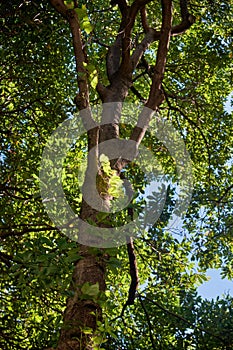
<point>228,106</point>
<point>216,286</point>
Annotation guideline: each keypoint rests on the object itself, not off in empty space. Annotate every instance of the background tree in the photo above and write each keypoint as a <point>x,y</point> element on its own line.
<point>41,267</point>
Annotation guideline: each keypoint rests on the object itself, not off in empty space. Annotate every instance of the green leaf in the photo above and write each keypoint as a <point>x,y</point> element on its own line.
<point>91,290</point>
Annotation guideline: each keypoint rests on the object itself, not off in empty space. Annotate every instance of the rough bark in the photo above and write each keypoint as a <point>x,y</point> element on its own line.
<point>81,314</point>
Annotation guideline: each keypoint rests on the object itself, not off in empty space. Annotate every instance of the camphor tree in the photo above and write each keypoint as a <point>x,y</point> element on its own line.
<point>171,58</point>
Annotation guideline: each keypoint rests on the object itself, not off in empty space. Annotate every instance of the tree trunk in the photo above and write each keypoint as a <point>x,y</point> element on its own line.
<point>82,312</point>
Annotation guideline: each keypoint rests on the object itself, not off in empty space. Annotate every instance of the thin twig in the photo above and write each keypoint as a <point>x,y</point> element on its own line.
<point>181,318</point>
<point>148,322</point>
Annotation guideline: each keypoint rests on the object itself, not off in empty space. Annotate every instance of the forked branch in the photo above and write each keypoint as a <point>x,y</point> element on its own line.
<point>156,96</point>
<point>152,34</point>
<point>187,19</point>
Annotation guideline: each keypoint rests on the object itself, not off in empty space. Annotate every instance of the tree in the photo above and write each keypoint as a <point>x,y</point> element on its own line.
<point>176,63</point>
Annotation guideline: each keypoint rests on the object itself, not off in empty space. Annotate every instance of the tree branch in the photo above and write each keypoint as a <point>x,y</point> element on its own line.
<point>144,19</point>
<point>82,98</point>
<point>115,51</point>
<point>137,93</point>
<point>191,122</point>
<point>151,36</point>
<point>187,19</point>
<point>181,318</point>
<point>137,5</point>
<point>148,322</point>
<point>114,56</point>
<point>133,271</point>
<point>26,230</point>
<point>122,4</point>
<point>59,7</point>
<point>225,193</point>
<point>156,96</point>
<point>132,256</point>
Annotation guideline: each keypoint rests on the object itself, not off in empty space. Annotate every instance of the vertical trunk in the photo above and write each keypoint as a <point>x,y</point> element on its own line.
<point>82,311</point>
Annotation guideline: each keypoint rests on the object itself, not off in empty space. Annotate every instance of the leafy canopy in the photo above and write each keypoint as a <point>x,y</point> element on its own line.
<point>38,85</point>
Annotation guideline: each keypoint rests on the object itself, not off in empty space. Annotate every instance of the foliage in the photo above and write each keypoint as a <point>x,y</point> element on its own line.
<point>38,86</point>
